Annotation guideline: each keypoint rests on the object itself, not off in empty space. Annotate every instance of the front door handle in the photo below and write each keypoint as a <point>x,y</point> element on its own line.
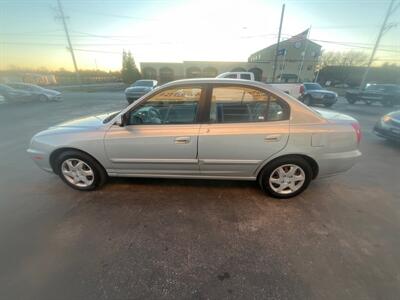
<point>273,138</point>
<point>182,140</point>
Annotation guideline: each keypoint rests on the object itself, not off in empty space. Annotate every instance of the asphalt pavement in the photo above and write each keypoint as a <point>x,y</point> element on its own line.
<point>194,239</point>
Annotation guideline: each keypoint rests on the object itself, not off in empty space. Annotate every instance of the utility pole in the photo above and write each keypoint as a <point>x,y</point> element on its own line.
<point>277,44</point>
<point>382,31</point>
<point>71,50</point>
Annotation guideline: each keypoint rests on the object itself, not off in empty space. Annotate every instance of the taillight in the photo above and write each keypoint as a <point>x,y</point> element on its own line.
<point>302,89</point>
<point>357,129</point>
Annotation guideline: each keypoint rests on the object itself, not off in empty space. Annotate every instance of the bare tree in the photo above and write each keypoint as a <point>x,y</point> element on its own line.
<point>346,58</point>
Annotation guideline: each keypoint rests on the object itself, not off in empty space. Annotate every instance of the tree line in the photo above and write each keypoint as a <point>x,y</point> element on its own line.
<point>349,66</point>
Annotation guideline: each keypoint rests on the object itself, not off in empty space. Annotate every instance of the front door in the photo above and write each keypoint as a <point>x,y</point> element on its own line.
<point>246,126</point>
<point>161,136</point>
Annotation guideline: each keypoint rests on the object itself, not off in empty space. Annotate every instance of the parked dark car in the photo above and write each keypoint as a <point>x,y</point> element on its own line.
<point>139,89</point>
<point>389,126</point>
<point>386,94</point>
<point>38,92</point>
<point>12,95</point>
<point>312,93</point>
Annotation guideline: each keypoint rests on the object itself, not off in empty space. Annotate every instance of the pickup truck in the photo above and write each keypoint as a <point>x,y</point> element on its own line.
<point>309,93</point>
<point>386,94</point>
<point>237,75</point>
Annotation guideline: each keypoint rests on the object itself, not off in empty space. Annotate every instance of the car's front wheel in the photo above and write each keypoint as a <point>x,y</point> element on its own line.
<point>80,171</point>
<point>387,102</point>
<point>43,98</point>
<point>286,177</point>
<point>308,101</point>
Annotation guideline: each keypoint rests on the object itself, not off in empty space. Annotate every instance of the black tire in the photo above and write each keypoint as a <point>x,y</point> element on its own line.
<point>43,98</point>
<point>328,104</point>
<point>368,102</point>
<point>351,99</point>
<point>387,102</point>
<point>308,101</point>
<point>266,172</point>
<point>99,174</point>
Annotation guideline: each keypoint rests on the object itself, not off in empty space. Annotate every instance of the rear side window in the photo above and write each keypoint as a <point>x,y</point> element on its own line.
<point>230,104</point>
<point>245,76</point>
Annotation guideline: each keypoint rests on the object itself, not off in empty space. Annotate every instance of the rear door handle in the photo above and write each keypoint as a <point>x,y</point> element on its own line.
<point>273,138</point>
<point>182,140</point>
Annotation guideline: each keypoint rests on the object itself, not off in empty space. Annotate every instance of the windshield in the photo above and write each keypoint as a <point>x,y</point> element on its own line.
<point>143,83</point>
<point>313,86</point>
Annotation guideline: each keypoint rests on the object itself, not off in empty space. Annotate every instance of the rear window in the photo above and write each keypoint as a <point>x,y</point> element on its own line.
<point>231,104</point>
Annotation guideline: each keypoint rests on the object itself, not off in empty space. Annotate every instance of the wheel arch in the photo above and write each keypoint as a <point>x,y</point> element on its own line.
<point>311,161</point>
<point>57,152</point>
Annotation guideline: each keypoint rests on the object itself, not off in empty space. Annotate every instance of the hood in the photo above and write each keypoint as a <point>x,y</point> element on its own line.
<point>85,122</point>
<point>51,92</point>
<point>138,89</point>
<point>333,115</point>
<point>395,115</point>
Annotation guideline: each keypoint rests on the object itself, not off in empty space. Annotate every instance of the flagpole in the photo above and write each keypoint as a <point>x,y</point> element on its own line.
<point>304,55</point>
<point>283,66</point>
<point>319,66</point>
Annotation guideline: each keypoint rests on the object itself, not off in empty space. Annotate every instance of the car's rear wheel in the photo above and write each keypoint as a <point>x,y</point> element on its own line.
<point>286,177</point>
<point>80,171</point>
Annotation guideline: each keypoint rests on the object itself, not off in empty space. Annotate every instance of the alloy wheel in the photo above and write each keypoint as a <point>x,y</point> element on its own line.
<point>287,179</point>
<point>77,172</point>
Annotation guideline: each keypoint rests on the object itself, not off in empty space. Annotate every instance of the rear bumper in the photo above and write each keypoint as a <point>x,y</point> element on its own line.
<point>334,163</point>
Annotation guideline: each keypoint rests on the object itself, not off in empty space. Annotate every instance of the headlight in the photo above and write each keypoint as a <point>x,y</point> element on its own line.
<point>386,118</point>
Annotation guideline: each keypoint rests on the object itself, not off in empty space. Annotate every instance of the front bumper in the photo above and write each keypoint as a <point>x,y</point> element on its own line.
<point>387,131</point>
<point>134,96</point>
<point>324,100</point>
<point>55,97</point>
<point>41,159</point>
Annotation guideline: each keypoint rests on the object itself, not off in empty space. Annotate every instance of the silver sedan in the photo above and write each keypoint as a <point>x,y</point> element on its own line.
<point>204,128</point>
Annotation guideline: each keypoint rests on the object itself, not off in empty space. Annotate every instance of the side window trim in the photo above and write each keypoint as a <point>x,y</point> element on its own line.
<point>202,99</point>
<point>210,88</point>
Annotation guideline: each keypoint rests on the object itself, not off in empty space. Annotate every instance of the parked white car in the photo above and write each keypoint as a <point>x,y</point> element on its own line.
<point>204,128</point>
<point>237,75</point>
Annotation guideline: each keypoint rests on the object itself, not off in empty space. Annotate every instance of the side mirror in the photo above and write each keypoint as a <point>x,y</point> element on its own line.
<point>121,121</point>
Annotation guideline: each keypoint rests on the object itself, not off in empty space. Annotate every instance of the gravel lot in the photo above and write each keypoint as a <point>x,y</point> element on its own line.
<point>194,239</point>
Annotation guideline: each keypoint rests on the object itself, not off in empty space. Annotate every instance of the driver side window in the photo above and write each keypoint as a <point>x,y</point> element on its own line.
<point>173,106</point>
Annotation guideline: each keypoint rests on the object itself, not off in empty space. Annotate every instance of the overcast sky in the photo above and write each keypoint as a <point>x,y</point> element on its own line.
<point>174,30</point>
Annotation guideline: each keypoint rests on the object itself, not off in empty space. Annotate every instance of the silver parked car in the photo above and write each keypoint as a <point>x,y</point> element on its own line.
<point>204,128</point>
<point>38,92</point>
<point>139,89</point>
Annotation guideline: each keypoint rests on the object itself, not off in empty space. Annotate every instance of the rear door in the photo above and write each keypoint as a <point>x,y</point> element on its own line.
<point>245,127</point>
